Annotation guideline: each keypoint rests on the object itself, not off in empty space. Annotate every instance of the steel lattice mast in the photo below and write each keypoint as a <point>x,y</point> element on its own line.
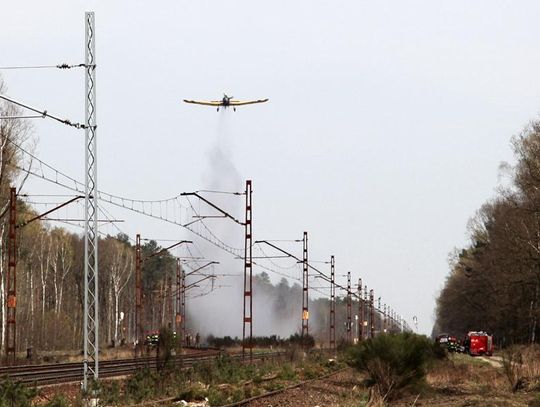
<point>305,295</point>
<point>349,309</point>
<point>91,292</point>
<point>11,281</point>
<point>371,313</point>
<point>247,330</point>
<point>139,330</point>
<point>360,312</point>
<point>332,305</point>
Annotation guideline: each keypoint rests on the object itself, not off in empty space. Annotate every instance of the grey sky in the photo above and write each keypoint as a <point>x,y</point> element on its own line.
<point>385,128</point>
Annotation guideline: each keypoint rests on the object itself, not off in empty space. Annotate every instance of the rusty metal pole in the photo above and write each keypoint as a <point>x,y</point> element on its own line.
<point>372,313</point>
<point>332,305</point>
<point>360,312</point>
<point>139,330</point>
<point>178,301</point>
<point>349,309</point>
<point>305,296</point>
<point>178,307</point>
<point>183,312</point>
<point>11,281</point>
<point>366,312</point>
<point>248,277</point>
<point>379,316</point>
<point>384,318</point>
<point>169,317</point>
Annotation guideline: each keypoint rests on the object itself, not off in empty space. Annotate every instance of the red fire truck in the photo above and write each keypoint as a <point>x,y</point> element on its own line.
<point>479,343</point>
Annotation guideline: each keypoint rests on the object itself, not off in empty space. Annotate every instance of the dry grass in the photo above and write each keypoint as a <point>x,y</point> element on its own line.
<point>466,374</point>
<point>466,381</point>
<point>521,367</point>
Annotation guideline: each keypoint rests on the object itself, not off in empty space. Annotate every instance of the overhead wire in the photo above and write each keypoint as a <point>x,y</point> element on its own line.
<point>44,113</point>
<point>58,66</point>
<point>258,247</point>
<point>66,181</point>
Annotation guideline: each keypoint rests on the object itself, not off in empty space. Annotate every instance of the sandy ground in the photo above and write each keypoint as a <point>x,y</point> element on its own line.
<point>342,389</point>
<point>459,382</point>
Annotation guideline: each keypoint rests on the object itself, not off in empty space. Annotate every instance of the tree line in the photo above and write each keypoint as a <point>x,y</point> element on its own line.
<point>494,281</point>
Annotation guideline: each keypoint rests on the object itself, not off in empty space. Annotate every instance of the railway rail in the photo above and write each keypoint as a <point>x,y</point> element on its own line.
<point>72,372</point>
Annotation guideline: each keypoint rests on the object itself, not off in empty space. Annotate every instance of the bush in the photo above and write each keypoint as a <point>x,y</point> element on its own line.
<point>195,392</point>
<point>167,343</point>
<point>141,385</point>
<point>306,342</point>
<point>393,362</point>
<point>512,364</point>
<point>287,373</point>
<point>58,401</point>
<point>14,393</point>
<point>110,393</point>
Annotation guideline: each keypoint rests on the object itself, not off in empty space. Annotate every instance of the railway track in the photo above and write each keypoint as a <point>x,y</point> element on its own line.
<point>72,372</point>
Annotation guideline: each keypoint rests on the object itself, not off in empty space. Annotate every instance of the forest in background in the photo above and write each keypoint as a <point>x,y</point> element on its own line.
<point>494,282</point>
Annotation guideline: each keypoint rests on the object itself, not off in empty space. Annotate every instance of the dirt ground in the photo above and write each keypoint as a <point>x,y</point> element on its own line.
<point>342,389</point>
<point>459,382</point>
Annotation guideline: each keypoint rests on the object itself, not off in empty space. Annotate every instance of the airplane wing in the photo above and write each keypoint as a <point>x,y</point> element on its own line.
<point>249,102</point>
<point>199,102</point>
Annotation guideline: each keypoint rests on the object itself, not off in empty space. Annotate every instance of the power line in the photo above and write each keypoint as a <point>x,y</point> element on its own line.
<point>220,192</point>
<point>44,113</point>
<point>59,66</point>
<point>295,264</point>
<point>61,179</point>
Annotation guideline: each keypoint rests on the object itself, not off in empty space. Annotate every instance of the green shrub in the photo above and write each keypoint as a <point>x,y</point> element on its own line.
<point>110,393</point>
<point>203,371</point>
<point>167,343</point>
<point>216,397</point>
<point>195,392</point>
<point>14,393</point>
<point>141,385</point>
<point>287,373</point>
<point>393,362</point>
<point>58,401</point>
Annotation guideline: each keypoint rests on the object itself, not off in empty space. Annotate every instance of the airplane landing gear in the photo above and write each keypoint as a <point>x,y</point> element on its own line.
<point>234,109</point>
<point>218,109</point>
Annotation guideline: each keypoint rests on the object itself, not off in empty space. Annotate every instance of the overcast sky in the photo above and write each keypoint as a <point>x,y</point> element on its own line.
<point>386,124</point>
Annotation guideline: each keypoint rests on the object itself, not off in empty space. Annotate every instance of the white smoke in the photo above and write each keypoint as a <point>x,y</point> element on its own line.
<point>221,312</point>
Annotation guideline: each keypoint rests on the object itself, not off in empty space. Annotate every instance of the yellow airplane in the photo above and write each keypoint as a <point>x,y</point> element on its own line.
<point>226,102</point>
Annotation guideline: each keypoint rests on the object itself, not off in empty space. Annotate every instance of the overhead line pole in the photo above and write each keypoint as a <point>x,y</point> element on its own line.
<point>11,278</point>
<point>349,309</point>
<point>305,292</point>
<point>384,318</point>
<point>91,286</point>
<point>366,312</point>
<point>139,330</point>
<point>332,305</point>
<point>305,279</point>
<point>11,281</point>
<point>360,311</point>
<point>139,295</point>
<point>183,305</point>
<point>372,313</point>
<point>379,312</point>
<point>248,277</point>
<point>178,303</point>
<point>247,319</point>
<point>198,269</point>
